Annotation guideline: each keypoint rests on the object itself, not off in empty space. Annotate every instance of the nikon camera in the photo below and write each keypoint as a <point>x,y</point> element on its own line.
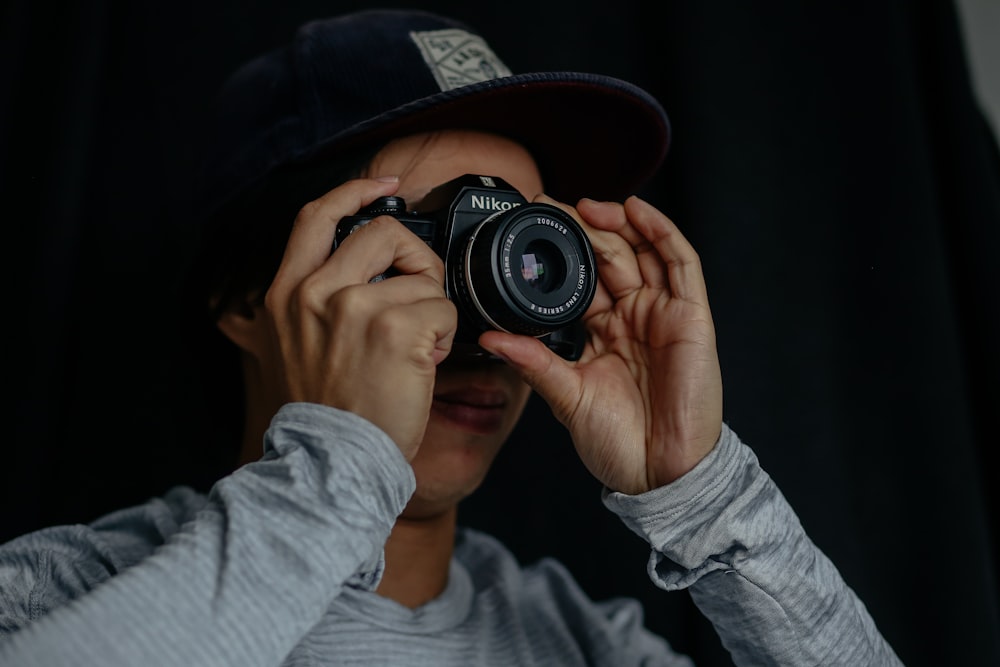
<point>509,264</point>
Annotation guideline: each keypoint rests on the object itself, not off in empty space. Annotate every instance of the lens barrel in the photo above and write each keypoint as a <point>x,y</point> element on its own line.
<point>529,270</point>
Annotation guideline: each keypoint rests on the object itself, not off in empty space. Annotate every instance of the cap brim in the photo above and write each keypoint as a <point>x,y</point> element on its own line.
<point>592,136</point>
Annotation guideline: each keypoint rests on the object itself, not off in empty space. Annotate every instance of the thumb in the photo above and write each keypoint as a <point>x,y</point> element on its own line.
<point>543,370</point>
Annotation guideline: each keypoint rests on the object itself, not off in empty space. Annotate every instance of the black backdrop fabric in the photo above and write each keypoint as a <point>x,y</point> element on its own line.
<point>829,164</point>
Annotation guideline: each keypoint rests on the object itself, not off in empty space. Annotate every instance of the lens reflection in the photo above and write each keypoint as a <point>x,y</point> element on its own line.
<point>542,266</point>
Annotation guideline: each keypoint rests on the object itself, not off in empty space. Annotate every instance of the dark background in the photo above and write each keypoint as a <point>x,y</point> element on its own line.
<point>830,165</point>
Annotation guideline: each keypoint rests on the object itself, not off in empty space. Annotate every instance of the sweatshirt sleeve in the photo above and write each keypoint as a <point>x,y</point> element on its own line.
<point>254,570</point>
<point>725,532</point>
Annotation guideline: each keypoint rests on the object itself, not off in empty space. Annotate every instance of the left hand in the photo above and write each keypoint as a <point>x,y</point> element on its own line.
<point>644,402</point>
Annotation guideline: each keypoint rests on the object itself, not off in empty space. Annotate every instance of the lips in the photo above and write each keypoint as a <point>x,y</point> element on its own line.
<point>476,410</point>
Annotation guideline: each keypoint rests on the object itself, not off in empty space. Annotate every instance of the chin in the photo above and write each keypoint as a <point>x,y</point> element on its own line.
<point>450,467</point>
<point>434,498</point>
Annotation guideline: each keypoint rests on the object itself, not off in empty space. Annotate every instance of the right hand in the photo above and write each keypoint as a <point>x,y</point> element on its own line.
<point>369,348</point>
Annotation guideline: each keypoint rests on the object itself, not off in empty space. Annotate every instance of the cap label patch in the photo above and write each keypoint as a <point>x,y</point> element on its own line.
<point>458,58</point>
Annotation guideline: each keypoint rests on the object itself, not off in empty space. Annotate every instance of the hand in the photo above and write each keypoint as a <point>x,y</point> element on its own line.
<point>369,348</point>
<point>644,402</point>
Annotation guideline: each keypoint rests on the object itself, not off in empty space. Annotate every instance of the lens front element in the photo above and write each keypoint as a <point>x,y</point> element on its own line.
<point>542,266</point>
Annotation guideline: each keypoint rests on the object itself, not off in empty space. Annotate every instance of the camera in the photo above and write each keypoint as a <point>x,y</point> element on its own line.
<point>525,268</point>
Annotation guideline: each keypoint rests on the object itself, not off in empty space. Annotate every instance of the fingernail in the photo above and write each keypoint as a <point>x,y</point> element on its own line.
<point>594,202</point>
<point>387,179</point>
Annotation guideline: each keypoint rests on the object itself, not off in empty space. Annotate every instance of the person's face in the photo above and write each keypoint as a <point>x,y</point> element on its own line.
<point>476,405</point>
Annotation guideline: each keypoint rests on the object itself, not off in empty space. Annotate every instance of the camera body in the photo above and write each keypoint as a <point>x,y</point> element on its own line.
<point>521,267</point>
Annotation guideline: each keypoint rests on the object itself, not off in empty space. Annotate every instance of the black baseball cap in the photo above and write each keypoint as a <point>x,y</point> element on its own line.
<point>360,79</point>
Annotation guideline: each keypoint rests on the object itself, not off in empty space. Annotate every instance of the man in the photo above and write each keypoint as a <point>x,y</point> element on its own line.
<point>336,542</point>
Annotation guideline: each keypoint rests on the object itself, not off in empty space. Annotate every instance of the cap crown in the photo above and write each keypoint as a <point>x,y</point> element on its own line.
<point>373,75</point>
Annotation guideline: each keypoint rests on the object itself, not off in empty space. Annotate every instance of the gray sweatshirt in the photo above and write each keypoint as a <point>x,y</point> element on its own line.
<point>278,563</point>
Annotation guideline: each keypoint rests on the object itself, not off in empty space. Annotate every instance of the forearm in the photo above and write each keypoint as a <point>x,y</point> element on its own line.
<point>255,570</point>
<point>725,531</point>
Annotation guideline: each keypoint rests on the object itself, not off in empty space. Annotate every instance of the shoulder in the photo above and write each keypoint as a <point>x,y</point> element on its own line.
<point>47,568</point>
<point>135,531</point>
<point>120,537</point>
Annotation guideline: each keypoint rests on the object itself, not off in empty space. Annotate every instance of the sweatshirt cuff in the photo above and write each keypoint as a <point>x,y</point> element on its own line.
<point>710,518</point>
<point>359,449</point>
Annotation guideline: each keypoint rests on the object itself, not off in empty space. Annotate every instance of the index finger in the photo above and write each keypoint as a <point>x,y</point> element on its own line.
<point>657,242</point>
<point>374,247</point>
<point>617,248</point>
<point>311,239</point>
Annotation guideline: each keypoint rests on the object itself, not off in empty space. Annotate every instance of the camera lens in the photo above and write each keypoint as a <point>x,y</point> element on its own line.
<point>528,270</point>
